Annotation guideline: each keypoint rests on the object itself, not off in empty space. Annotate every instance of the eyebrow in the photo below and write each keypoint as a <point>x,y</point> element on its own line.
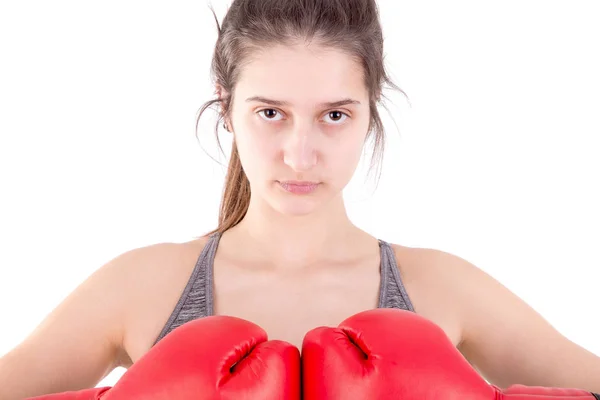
<point>286,103</point>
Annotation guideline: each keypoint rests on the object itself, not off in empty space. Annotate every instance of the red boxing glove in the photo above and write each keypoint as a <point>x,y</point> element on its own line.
<point>216,357</point>
<point>398,355</point>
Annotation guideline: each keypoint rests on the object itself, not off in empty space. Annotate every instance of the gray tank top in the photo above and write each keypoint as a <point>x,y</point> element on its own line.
<point>196,300</point>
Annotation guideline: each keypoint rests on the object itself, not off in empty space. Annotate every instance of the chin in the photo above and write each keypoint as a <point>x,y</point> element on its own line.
<point>295,204</point>
<point>297,207</point>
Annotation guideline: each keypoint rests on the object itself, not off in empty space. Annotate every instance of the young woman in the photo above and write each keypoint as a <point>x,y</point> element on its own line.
<point>298,84</point>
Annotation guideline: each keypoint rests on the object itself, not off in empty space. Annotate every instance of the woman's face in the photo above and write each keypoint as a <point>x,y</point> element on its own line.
<point>285,130</point>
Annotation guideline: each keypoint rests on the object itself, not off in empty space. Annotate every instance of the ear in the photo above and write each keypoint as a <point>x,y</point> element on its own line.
<point>221,93</point>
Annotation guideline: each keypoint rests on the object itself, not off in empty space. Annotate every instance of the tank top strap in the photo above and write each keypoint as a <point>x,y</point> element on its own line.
<point>392,293</point>
<point>196,301</point>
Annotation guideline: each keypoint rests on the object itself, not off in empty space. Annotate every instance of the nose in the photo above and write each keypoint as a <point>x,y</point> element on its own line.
<point>299,151</point>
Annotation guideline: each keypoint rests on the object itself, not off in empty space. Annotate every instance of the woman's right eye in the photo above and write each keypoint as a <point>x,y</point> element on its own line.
<point>270,112</point>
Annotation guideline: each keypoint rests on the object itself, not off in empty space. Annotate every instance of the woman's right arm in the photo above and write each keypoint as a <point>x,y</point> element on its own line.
<point>79,342</point>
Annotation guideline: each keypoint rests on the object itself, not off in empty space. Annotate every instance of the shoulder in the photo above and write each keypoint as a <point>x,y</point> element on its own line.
<point>158,260</point>
<point>423,264</point>
<point>440,285</point>
<point>453,276</point>
<point>444,282</point>
<point>159,268</point>
<point>434,266</point>
<point>152,279</point>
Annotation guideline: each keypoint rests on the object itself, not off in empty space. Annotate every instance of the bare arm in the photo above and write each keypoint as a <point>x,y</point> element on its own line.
<point>78,343</point>
<point>507,340</point>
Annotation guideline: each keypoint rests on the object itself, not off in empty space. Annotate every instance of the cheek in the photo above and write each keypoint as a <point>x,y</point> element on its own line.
<point>344,158</point>
<point>256,153</point>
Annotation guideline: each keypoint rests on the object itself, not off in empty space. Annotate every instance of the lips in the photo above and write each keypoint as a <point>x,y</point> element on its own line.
<point>299,183</point>
<point>299,187</point>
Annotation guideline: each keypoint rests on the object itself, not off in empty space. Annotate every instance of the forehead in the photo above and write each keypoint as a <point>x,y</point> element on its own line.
<point>301,73</point>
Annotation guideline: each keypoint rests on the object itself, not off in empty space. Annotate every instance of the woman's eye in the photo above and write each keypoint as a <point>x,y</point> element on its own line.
<point>337,117</point>
<point>270,111</point>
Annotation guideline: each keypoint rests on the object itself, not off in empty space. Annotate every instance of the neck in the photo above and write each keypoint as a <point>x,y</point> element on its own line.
<point>295,240</point>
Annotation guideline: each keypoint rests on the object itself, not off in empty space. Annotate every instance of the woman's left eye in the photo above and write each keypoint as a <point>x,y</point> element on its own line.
<point>338,114</point>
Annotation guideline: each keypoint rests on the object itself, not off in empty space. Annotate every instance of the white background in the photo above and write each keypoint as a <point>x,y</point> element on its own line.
<point>495,159</point>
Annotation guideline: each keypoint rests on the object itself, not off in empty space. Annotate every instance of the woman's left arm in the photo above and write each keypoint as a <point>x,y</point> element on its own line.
<point>507,341</point>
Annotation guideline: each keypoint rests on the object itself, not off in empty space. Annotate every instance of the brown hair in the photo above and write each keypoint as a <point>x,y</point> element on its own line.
<point>351,26</point>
